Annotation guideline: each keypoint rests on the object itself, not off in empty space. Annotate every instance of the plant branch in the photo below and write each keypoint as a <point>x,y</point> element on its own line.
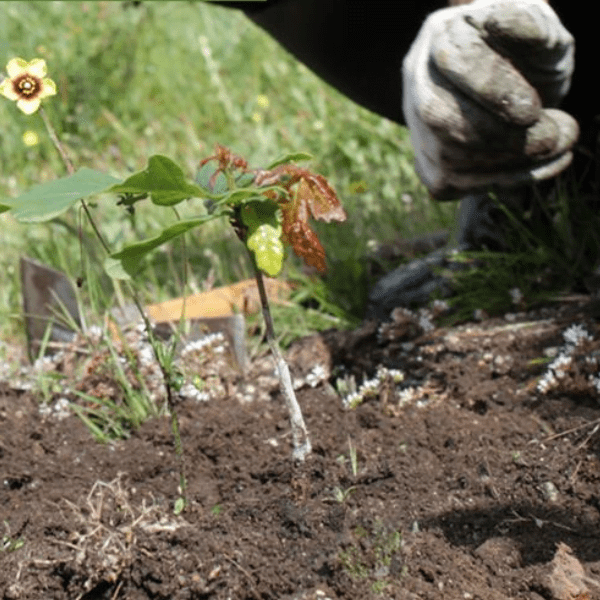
<point>71,170</point>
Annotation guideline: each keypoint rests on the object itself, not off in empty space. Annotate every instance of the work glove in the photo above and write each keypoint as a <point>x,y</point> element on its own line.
<point>480,82</point>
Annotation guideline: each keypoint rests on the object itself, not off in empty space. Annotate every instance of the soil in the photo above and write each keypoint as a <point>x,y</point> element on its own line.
<point>475,477</point>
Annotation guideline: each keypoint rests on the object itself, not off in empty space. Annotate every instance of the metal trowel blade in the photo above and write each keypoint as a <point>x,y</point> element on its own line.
<point>47,295</point>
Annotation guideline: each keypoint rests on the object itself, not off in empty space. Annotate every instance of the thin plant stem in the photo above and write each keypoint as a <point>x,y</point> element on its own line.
<point>301,441</point>
<point>166,372</point>
<point>71,170</point>
<point>57,143</point>
<point>167,378</point>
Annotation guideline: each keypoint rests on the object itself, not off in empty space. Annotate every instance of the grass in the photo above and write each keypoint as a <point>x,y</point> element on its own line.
<point>120,100</point>
<point>555,246</point>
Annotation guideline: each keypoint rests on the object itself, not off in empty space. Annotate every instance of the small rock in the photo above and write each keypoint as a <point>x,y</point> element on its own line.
<point>499,554</point>
<point>549,491</point>
<point>566,578</point>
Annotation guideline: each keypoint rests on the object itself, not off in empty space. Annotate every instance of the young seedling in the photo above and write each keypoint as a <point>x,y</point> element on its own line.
<point>341,494</point>
<point>295,194</point>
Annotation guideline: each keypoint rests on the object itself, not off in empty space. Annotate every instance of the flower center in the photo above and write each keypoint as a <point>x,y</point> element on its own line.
<point>27,86</point>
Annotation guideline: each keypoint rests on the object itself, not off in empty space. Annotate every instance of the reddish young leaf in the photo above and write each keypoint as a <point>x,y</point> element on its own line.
<point>226,159</point>
<point>305,244</point>
<point>320,198</point>
<point>315,198</point>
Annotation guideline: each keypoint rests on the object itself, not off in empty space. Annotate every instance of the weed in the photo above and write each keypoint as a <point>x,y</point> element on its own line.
<point>370,388</point>
<point>341,494</point>
<point>375,555</point>
<point>8,542</point>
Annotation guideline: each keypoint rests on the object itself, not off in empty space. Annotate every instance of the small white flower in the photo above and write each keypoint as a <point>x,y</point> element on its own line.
<point>189,390</point>
<point>381,373</point>
<point>369,388</point>
<point>316,376</point>
<point>406,395</point>
<point>397,375</point>
<point>576,334</point>
<point>203,342</point>
<point>547,382</point>
<point>352,400</point>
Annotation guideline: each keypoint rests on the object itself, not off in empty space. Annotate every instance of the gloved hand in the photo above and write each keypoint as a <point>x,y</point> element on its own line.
<point>478,84</point>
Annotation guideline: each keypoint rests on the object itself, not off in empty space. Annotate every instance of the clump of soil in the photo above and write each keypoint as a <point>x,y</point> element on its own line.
<point>466,478</point>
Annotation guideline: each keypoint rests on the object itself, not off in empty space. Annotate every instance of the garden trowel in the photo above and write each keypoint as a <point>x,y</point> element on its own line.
<point>48,301</point>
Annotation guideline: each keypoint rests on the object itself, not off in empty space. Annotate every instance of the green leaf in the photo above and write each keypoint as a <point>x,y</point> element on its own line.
<point>239,196</point>
<point>48,200</point>
<point>244,180</point>
<point>205,173</point>
<point>127,262</point>
<point>163,180</point>
<point>264,236</point>
<point>265,242</point>
<point>290,158</point>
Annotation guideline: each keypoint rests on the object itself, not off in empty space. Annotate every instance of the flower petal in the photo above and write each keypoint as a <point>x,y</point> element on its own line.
<point>37,67</point>
<point>29,106</point>
<point>16,67</point>
<point>6,89</point>
<point>48,88</point>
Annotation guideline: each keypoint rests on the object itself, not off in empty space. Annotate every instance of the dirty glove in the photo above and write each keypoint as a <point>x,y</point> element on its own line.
<point>478,82</point>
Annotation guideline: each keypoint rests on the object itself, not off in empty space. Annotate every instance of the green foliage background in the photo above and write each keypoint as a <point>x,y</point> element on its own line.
<point>174,78</point>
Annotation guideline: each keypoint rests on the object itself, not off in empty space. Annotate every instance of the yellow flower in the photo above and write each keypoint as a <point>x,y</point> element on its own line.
<point>26,84</point>
<point>30,138</point>
<point>262,101</point>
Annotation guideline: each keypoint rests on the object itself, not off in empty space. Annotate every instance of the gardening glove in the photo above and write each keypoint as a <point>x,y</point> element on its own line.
<point>479,82</point>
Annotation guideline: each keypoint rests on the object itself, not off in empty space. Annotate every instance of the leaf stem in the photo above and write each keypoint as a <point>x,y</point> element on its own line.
<point>71,170</point>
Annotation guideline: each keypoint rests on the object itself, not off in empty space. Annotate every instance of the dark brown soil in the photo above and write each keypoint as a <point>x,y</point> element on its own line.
<point>474,485</point>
